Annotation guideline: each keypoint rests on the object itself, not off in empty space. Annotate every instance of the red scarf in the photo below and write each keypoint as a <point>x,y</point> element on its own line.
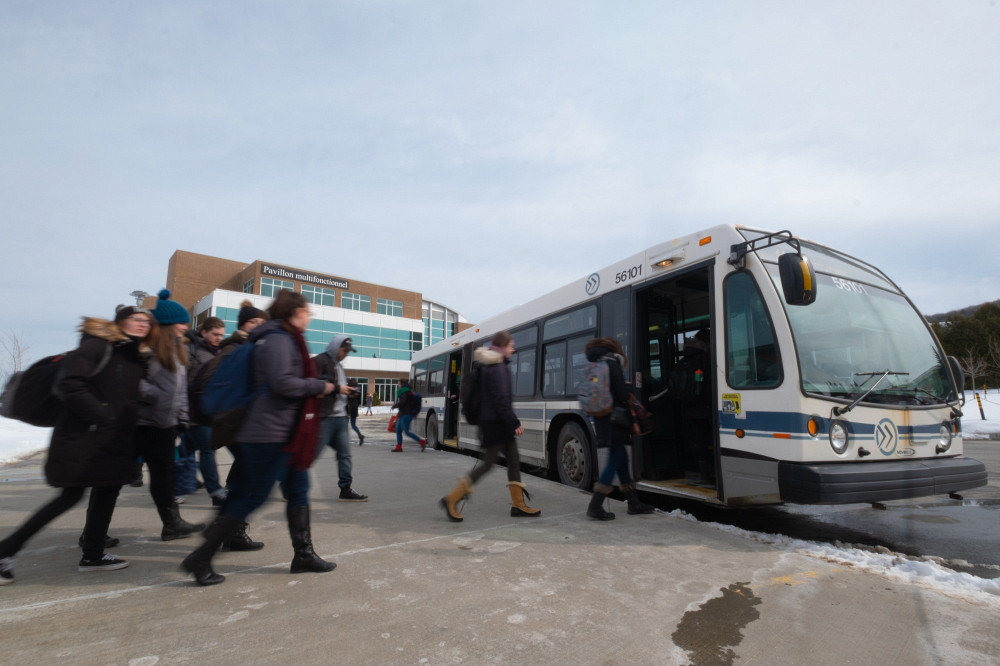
<point>302,445</point>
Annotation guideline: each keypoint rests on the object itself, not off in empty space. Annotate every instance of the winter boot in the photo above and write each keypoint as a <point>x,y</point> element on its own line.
<point>398,449</point>
<point>635,505</point>
<point>449,502</point>
<point>361,440</point>
<point>199,562</point>
<point>596,509</point>
<point>305,558</point>
<point>239,540</point>
<point>518,494</point>
<point>175,527</point>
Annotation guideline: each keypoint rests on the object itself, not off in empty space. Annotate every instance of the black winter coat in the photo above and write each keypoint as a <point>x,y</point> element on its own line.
<point>497,420</point>
<point>92,442</point>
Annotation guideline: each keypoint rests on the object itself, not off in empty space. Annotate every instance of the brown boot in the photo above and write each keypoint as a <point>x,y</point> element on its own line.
<point>449,502</point>
<point>517,496</point>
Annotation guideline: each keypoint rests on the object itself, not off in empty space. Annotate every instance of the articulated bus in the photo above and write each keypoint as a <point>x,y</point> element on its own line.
<point>822,382</point>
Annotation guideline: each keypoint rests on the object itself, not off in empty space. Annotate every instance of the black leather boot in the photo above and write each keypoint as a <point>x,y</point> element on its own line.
<point>175,527</point>
<point>635,505</point>
<point>199,562</point>
<point>240,540</point>
<point>596,507</point>
<point>305,558</point>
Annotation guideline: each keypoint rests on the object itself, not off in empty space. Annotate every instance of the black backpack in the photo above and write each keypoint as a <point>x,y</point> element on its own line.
<point>30,395</point>
<point>470,396</point>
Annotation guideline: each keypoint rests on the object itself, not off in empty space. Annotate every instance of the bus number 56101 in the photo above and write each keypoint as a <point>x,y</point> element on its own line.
<point>629,274</point>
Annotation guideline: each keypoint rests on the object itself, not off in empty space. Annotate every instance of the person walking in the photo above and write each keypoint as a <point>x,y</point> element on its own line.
<point>369,401</point>
<point>353,407</point>
<point>202,347</point>
<point>498,429</point>
<point>277,439</point>
<point>163,412</point>
<point>614,431</point>
<point>334,429</point>
<point>409,406</point>
<point>92,443</point>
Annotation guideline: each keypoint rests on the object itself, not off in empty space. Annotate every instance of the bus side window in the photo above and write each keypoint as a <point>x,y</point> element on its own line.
<point>752,359</point>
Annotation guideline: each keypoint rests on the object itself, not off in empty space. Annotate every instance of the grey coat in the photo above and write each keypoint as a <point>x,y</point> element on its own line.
<point>277,364</point>
<point>163,396</point>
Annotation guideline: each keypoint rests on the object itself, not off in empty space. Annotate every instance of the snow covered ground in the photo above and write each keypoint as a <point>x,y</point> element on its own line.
<point>18,440</point>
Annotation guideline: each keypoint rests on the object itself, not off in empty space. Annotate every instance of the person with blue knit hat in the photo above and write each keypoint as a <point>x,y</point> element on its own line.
<point>169,312</point>
<point>163,412</point>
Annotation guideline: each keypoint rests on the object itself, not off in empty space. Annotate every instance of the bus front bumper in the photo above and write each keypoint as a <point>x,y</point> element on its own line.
<point>846,483</point>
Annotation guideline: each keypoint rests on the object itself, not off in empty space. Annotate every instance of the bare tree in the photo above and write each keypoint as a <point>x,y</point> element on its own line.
<point>13,350</point>
<point>973,365</point>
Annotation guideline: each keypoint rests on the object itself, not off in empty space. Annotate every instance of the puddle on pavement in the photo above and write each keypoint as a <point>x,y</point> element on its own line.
<point>710,633</point>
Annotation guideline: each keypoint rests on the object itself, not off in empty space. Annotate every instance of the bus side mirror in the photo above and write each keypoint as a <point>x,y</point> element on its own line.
<point>797,279</point>
<point>958,373</point>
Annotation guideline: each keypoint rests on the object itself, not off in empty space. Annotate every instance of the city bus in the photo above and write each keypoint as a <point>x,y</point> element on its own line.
<point>820,382</point>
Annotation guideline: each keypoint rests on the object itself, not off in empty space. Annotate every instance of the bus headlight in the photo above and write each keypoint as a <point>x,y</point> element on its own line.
<point>944,438</point>
<point>838,437</point>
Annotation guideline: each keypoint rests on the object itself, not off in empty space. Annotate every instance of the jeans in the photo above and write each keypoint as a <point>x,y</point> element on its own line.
<point>354,426</point>
<point>333,432</point>
<point>403,425</point>
<point>617,458</point>
<point>260,466</point>
<point>199,438</point>
<point>99,510</point>
<point>490,456</point>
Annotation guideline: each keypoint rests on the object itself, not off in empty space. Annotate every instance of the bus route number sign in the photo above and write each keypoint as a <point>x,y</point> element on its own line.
<point>628,274</point>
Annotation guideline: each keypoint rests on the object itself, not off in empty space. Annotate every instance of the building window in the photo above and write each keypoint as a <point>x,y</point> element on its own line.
<point>319,295</point>
<point>350,301</point>
<point>248,286</point>
<point>385,389</point>
<point>391,308</point>
<point>270,287</point>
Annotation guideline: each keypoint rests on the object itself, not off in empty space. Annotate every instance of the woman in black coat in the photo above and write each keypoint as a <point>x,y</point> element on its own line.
<point>499,429</point>
<point>614,432</point>
<point>91,444</point>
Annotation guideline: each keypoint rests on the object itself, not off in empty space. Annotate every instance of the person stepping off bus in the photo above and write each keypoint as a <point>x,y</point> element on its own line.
<point>498,429</point>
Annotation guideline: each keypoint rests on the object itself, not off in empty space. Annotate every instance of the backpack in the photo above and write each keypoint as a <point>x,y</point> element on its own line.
<point>30,395</point>
<point>416,402</point>
<point>470,397</point>
<point>196,388</point>
<point>684,381</point>
<point>228,380</point>
<point>594,389</point>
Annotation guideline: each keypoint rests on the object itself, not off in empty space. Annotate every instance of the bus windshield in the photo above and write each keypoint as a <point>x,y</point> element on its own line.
<point>859,329</point>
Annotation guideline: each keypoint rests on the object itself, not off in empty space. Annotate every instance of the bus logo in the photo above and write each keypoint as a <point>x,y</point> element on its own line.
<point>593,284</point>
<point>886,437</point>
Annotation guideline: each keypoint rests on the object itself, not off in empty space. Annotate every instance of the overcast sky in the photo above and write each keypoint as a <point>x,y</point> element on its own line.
<point>484,153</point>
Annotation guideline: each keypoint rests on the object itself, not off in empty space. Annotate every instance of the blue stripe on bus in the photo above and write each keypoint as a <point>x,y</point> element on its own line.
<point>795,424</point>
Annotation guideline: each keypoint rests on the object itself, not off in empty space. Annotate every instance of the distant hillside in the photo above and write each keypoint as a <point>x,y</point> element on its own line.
<point>965,312</point>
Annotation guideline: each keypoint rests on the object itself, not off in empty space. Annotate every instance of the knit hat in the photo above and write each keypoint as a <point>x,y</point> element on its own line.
<point>126,311</point>
<point>248,312</point>
<point>169,312</point>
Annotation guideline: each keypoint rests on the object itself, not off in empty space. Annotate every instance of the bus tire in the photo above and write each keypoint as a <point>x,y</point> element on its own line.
<point>431,432</point>
<point>574,456</point>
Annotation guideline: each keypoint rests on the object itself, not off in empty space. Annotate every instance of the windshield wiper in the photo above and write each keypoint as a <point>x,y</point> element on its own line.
<point>955,409</point>
<point>838,411</point>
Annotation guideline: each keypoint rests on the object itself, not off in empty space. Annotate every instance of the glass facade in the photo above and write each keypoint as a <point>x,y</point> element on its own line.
<point>385,389</point>
<point>439,322</point>
<point>370,341</point>
<point>350,301</point>
<point>389,307</point>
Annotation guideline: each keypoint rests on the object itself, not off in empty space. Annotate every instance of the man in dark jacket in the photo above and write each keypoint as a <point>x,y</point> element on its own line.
<point>498,429</point>
<point>335,429</point>
<point>203,346</point>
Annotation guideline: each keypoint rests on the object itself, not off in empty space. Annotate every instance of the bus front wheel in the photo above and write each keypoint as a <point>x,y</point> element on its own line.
<point>574,460</point>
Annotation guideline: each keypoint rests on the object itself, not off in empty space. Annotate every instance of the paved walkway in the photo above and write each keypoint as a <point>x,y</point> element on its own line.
<point>413,588</point>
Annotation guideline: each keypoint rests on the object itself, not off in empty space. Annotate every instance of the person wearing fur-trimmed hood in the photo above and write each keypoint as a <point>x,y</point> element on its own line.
<point>91,443</point>
<point>499,428</point>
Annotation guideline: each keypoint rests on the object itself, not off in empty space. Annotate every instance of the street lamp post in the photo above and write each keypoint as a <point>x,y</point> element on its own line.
<point>138,296</point>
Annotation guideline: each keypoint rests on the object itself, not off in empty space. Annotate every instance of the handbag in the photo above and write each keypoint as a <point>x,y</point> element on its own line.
<point>392,422</point>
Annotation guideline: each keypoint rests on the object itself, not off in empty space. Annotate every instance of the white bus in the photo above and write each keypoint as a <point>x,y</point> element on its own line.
<point>822,383</point>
